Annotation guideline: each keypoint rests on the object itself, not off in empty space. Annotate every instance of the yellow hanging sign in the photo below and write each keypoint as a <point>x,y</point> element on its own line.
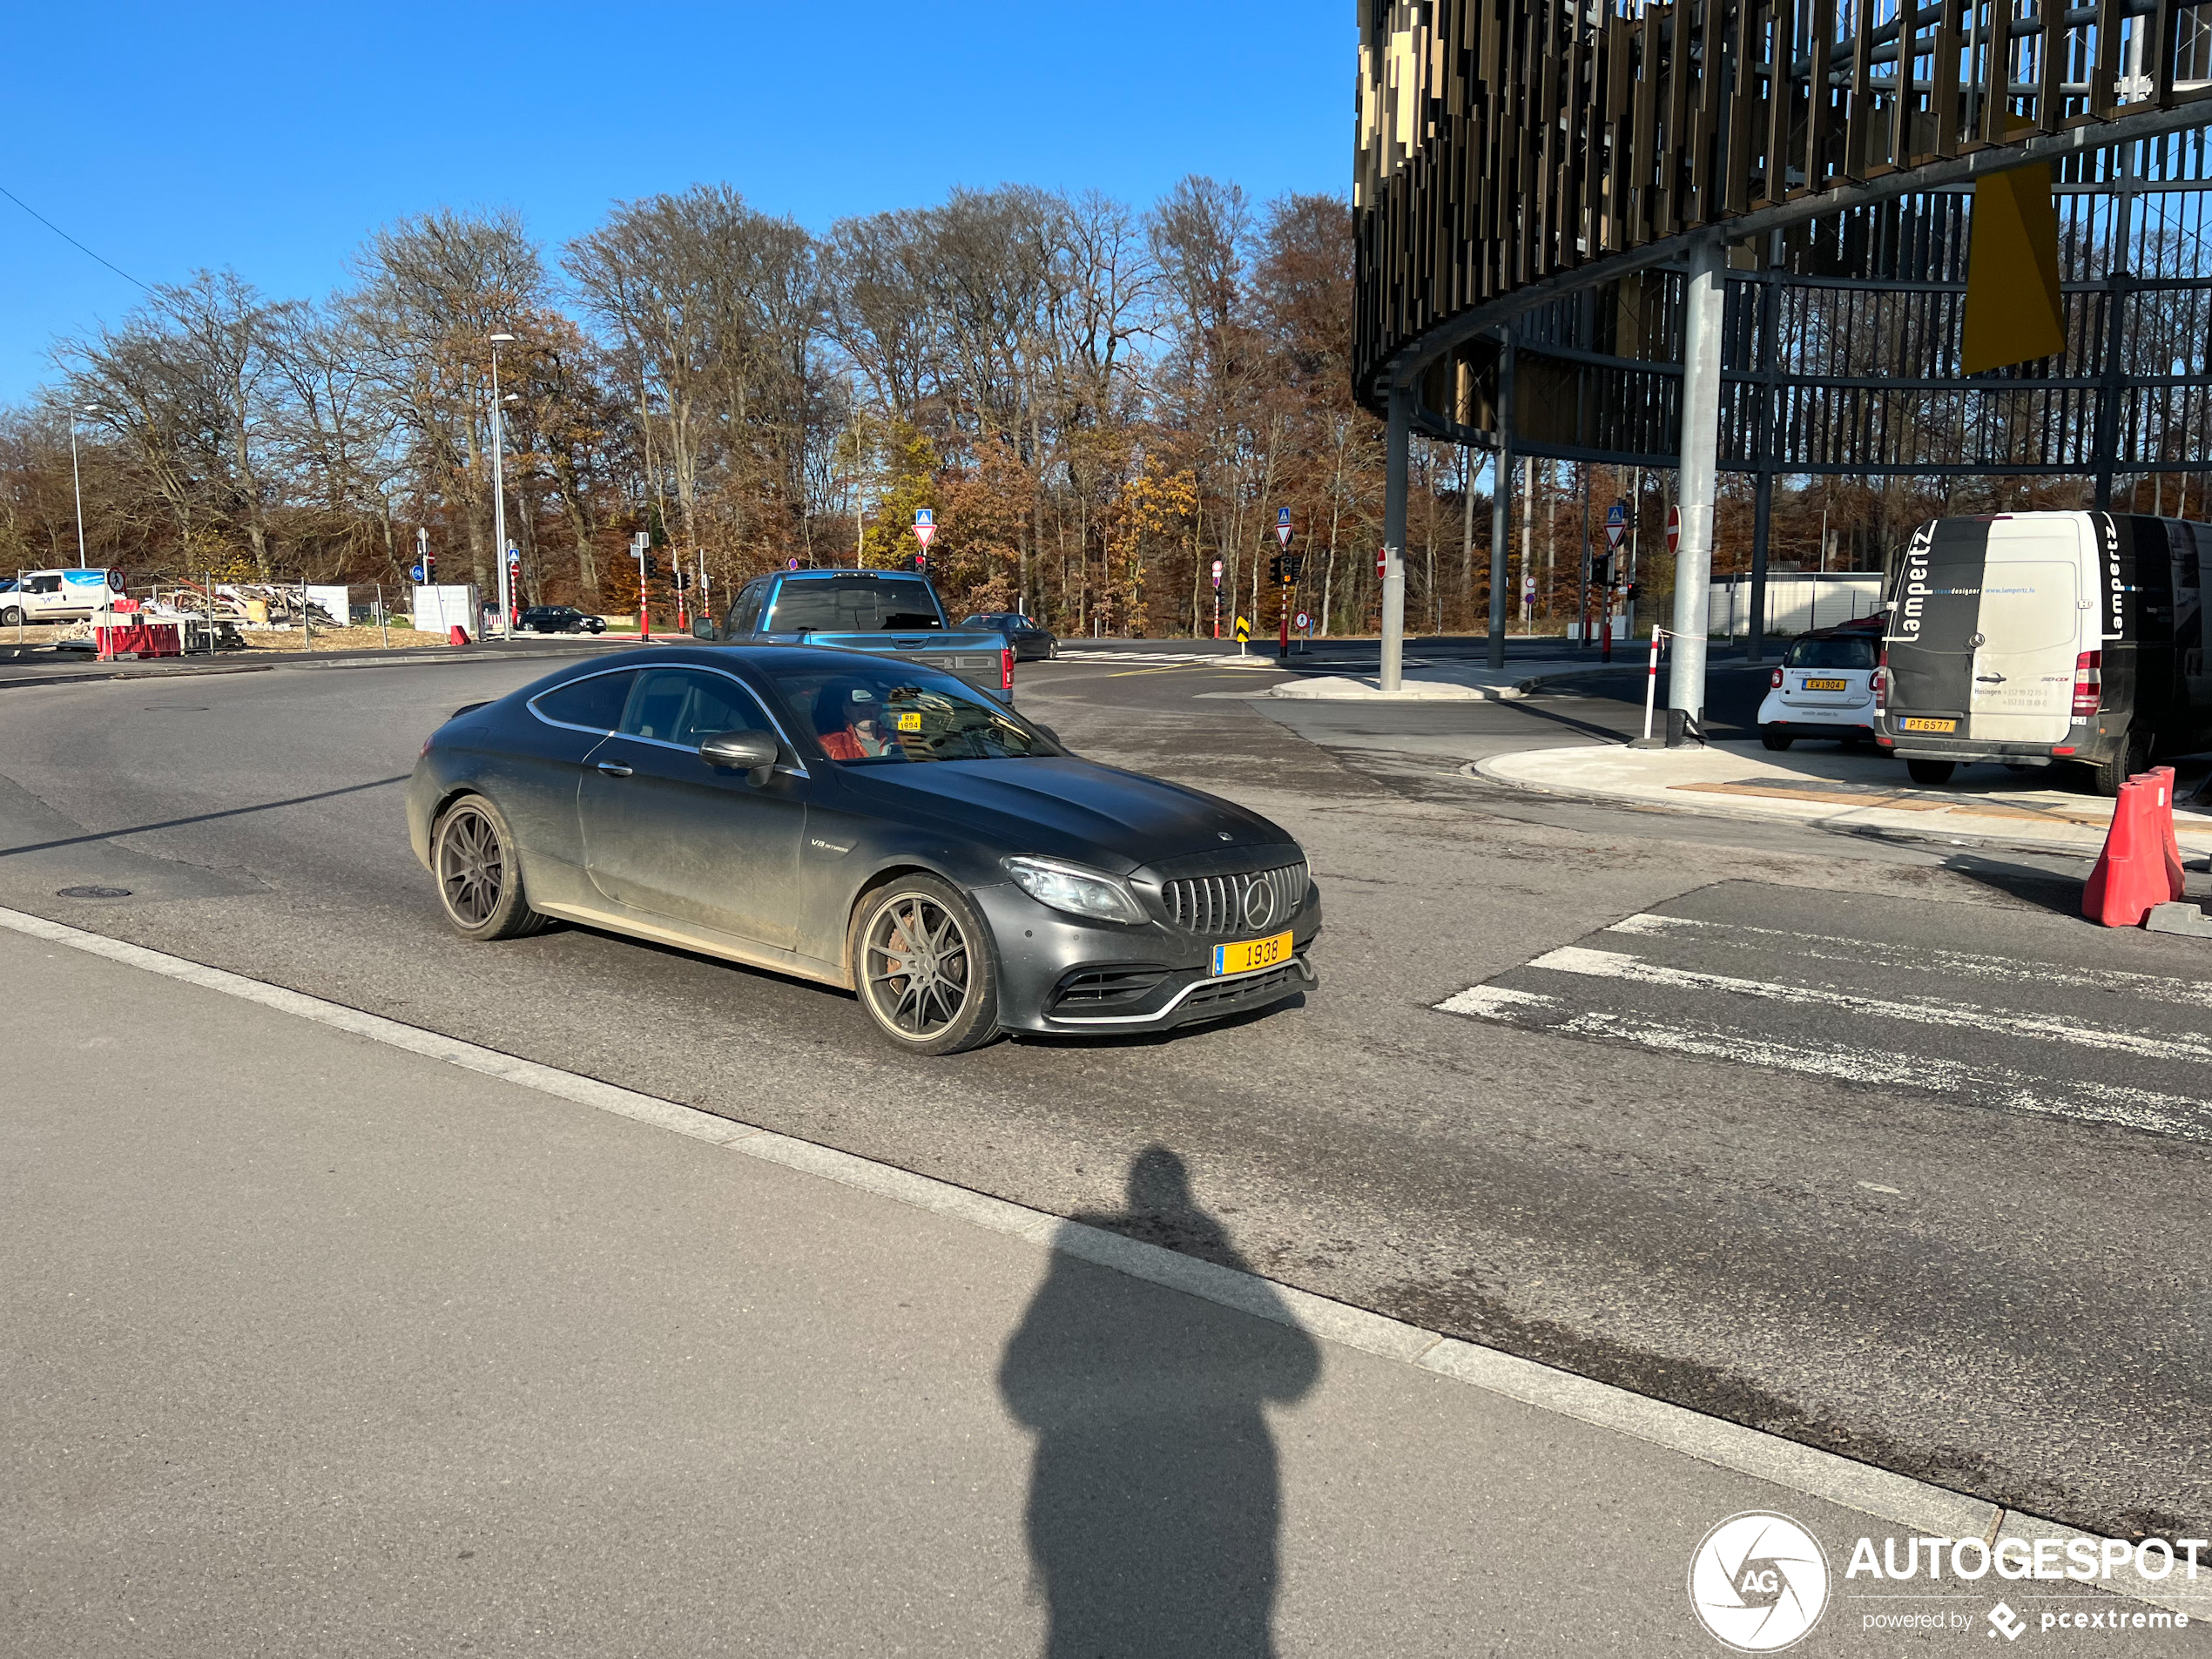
<point>2015,313</point>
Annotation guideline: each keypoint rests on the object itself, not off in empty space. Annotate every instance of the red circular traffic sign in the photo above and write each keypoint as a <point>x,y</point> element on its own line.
<point>1674,527</point>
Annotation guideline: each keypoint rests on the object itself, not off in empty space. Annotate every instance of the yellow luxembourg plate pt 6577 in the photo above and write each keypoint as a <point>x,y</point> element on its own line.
<point>1921,723</point>
<point>1244,957</point>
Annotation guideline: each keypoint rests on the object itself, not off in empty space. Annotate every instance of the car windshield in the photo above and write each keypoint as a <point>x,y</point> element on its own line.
<point>871,714</point>
<point>854,604</point>
<point>1832,653</point>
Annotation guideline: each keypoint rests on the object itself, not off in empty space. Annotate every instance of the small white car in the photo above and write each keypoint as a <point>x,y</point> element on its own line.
<point>1824,689</point>
<point>58,596</point>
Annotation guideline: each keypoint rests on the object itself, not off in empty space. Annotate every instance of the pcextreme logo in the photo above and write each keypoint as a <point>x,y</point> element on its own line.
<point>1758,1582</point>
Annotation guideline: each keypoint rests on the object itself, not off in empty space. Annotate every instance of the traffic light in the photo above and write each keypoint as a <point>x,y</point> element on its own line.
<point>1288,567</point>
<point>681,578</point>
<point>1275,569</point>
<point>1634,592</point>
<point>649,567</point>
<point>429,567</point>
<point>922,559</point>
<point>1602,569</point>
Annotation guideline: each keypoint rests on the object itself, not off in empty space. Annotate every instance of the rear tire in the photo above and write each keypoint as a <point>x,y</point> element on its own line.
<point>479,879</point>
<point>924,967</point>
<point>1773,739</point>
<point>1930,772</point>
<point>2107,776</point>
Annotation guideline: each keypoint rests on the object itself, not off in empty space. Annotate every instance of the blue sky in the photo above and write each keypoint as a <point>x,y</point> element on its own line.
<point>272,138</point>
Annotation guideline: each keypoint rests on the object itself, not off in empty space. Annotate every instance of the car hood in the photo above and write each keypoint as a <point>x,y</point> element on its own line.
<point>1063,807</point>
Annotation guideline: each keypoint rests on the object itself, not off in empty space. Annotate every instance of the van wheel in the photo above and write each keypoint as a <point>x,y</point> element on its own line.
<point>1930,772</point>
<point>2107,776</point>
<point>1774,739</point>
<point>12,617</point>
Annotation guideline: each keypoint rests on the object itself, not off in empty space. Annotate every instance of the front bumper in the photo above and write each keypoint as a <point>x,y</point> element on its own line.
<point>1066,974</point>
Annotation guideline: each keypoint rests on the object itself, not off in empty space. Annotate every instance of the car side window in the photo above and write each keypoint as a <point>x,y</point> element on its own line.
<point>685,706</point>
<point>594,703</point>
<point>45,585</point>
<point>745,616</point>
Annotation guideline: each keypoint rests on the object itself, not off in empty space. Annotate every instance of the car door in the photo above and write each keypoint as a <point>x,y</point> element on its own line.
<point>665,833</point>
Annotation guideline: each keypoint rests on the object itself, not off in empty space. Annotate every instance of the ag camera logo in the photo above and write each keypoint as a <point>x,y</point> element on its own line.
<point>1758,1583</point>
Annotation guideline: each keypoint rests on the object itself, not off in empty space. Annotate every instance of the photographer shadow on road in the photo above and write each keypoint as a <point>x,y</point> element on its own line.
<point>1155,1500</point>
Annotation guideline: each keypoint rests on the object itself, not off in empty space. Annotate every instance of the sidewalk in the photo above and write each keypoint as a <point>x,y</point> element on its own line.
<point>323,1340</point>
<point>1835,788</point>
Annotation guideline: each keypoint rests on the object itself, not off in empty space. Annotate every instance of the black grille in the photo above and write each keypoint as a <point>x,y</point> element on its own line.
<point>1215,904</point>
<point>1236,990</point>
<point>1100,987</point>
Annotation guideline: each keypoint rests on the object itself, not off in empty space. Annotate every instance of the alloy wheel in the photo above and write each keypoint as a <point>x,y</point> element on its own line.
<point>916,963</point>
<point>472,867</point>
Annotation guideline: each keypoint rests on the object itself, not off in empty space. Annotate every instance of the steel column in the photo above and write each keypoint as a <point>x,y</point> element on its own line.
<point>1702,300</point>
<point>1393,582</point>
<point>1501,510</point>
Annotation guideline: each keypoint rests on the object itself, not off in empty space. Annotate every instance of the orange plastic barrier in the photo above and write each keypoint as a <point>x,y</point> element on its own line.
<point>141,639</point>
<point>458,636</point>
<point>2141,865</point>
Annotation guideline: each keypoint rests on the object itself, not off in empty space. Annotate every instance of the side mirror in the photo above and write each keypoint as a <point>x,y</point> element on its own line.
<point>753,753</point>
<point>704,628</point>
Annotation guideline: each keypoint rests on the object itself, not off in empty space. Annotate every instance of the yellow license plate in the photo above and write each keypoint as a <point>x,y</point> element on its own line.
<point>1922,723</point>
<point>910,721</point>
<point>1827,685</point>
<point>1251,954</point>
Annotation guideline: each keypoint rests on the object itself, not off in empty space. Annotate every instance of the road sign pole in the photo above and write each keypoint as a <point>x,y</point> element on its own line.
<point>1701,403</point>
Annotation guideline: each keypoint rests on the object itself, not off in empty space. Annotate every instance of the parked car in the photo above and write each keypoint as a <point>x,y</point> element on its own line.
<point>561,619</point>
<point>1824,689</point>
<point>896,613</point>
<point>866,822</point>
<point>60,595</point>
<point>1031,641</point>
<point>2038,639</point>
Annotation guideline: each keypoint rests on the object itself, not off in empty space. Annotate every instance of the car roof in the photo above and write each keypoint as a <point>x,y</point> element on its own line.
<point>818,574</point>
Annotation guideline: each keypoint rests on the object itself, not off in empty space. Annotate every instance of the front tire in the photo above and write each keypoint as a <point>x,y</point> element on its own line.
<point>480,881</point>
<point>12,617</point>
<point>923,967</point>
<point>1930,772</point>
<point>1769,738</point>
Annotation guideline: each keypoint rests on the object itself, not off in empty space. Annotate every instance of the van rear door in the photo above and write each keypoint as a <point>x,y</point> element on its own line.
<point>2027,632</point>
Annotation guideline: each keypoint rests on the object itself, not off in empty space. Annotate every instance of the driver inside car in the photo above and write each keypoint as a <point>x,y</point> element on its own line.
<point>853,727</point>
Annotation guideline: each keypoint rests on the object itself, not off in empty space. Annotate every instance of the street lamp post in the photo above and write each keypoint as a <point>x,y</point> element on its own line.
<point>499,486</point>
<point>76,481</point>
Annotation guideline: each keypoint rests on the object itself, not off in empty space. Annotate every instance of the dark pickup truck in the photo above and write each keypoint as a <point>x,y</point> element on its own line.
<point>888,613</point>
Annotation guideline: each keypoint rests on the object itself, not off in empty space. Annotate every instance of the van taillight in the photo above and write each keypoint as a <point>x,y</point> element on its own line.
<point>1005,669</point>
<point>2088,682</point>
<point>1882,681</point>
<point>1777,681</point>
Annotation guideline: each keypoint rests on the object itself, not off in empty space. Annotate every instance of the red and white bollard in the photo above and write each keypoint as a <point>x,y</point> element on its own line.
<point>1651,681</point>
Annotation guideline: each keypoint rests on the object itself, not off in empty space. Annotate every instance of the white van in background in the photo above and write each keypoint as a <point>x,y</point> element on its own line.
<point>58,596</point>
<point>2036,639</point>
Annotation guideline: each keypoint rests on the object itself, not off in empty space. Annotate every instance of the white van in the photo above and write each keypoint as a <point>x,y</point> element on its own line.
<point>2036,639</point>
<point>58,596</point>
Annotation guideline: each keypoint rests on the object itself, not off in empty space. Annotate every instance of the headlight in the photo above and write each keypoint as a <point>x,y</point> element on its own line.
<point>1073,888</point>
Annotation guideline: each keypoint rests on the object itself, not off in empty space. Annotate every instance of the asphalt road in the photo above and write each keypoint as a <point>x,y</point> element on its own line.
<point>1893,1257</point>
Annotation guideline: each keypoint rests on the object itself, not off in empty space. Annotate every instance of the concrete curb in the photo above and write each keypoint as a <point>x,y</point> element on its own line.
<point>1917,827</point>
<point>413,657</point>
<point>1926,1509</point>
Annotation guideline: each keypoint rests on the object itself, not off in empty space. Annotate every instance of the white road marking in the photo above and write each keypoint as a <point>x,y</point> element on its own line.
<point>2080,1100</point>
<point>1491,1000</point>
<point>1618,965</point>
<point>2158,987</point>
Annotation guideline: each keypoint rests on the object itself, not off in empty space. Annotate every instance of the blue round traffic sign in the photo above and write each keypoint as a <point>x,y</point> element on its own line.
<point>416,571</point>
